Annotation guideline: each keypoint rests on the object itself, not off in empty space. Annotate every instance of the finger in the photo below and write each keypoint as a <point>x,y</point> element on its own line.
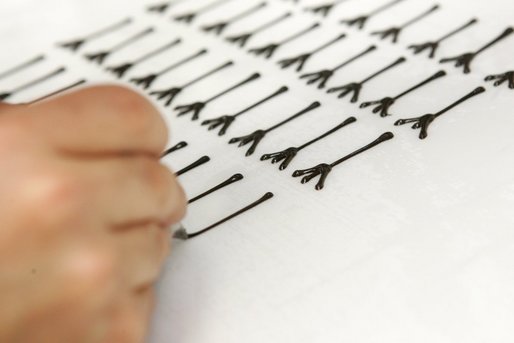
<point>5,107</point>
<point>129,191</point>
<point>130,319</point>
<point>100,120</point>
<point>143,251</point>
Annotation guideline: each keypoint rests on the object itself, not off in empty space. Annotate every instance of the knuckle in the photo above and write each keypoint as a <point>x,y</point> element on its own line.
<point>171,196</point>
<point>93,269</point>
<point>178,203</point>
<point>138,115</point>
<point>54,198</point>
<point>157,176</point>
<point>11,134</point>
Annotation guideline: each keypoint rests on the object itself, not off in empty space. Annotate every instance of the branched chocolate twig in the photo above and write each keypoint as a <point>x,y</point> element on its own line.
<point>394,32</point>
<point>356,87</point>
<point>224,122</point>
<point>325,9</point>
<point>169,94</point>
<point>256,137</point>
<point>196,108</point>
<point>32,83</point>
<point>146,81</point>
<point>268,50</point>
<point>190,16</point>
<point>242,39</point>
<point>162,7</point>
<point>99,57</point>
<point>300,60</point>
<point>424,121</point>
<point>76,44</point>
<point>465,60</point>
<point>501,78</point>
<point>321,77</point>
<point>324,169</point>
<point>434,45</point>
<point>122,69</point>
<point>219,27</point>
<point>383,105</point>
<point>286,156</point>
<point>360,21</point>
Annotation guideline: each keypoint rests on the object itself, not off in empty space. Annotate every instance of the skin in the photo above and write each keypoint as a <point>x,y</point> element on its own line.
<point>85,210</point>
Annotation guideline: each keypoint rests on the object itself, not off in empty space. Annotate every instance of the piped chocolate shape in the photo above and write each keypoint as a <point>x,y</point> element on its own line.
<point>219,27</point>
<point>182,234</point>
<point>201,161</point>
<point>242,39</point>
<point>196,108</point>
<point>301,59</point>
<point>224,122</point>
<point>356,87</point>
<point>269,50</point>
<point>502,78</point>
<point>466,59</point>
<point>423,122</point>
<point>361,20</point>
<point>162,7</point>
<point>434,45</point>
<point>285,157</point>
<point>20,67</point>
<point>58,92</point>
<point>32,83</point>
<point>176,147</point>
<point>120,70</point>
<point>189,17</point>
<point>76,44</point>
<point>257,136</point>
<point>323,170</point>
<point>146,81</point>
<point>231,180</point>
<point>383,105</point>
<point>101,56</point>
<point>395,31</point>
<point>322,76</point>
<point>325,9</point>
<point>169,94</point>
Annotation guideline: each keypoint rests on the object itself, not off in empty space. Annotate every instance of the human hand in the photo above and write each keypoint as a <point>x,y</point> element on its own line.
<point>84,210</point>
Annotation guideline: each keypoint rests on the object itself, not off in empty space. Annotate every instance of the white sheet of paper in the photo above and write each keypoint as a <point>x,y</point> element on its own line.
<point>412,241</point>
